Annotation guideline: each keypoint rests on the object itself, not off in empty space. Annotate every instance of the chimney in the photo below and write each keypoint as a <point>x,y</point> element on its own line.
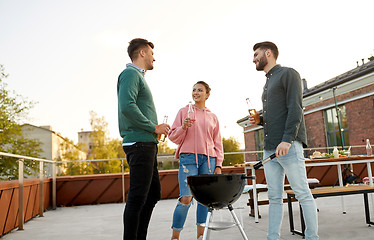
<point>304,84</point>
<point>363,61</point>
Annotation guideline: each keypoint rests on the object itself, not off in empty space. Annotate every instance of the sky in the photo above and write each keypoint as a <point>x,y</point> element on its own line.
<point>66,55</point>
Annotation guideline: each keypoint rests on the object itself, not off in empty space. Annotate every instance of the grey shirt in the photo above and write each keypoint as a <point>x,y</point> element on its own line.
<point>283,115</point>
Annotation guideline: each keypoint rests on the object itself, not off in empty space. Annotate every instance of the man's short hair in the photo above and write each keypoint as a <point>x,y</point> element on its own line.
<point>267,45</point>
<point>136,45</point>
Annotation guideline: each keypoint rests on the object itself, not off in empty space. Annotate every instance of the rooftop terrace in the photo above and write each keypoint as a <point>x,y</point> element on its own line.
<point>104,221</point>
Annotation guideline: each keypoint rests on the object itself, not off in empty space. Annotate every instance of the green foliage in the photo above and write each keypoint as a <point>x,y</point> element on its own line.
<point>166,163</point>
<point>169,165</point>
<point>231,145</point>
<point>71,152</point>
<point>103,147</point>
<point>13,108</point>
<point>163,148</point>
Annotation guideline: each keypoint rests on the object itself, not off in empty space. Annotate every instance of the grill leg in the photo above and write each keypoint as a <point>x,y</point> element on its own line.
<point>208,219</point>
<point>237,222</point>
<point>367,211</point>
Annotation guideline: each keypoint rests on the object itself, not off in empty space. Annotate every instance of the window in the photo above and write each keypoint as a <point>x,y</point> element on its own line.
<point>333,135</point>
<point>259,142</point>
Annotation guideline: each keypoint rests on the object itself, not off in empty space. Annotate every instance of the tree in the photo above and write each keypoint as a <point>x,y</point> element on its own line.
<point>72,152</point>
<point>166,162</point>
<point>231,145</point>
<point>104,147</point>
<point>13,108</point>
<point>163,148</point>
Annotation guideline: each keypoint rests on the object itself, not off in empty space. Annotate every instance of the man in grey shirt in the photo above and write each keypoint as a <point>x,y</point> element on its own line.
<point>284,134</point>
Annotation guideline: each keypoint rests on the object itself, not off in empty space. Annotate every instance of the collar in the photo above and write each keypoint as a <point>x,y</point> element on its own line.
<point>136,67</point>
<point>271,71</point>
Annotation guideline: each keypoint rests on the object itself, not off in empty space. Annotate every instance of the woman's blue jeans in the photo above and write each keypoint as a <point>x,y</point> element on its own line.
<point>188,167</point>
<point>293,165</point>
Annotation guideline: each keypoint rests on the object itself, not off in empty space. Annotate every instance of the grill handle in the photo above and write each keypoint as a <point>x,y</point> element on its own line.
<point>248,177</point>
<point>263,161</point>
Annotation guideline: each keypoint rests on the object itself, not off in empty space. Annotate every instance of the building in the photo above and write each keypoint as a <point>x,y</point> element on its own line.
<point>338,112</point>
<point>53,145</point>
<point>85,139</point>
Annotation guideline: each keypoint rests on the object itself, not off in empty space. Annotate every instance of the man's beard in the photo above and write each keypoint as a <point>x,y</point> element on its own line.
<point>150,66</point>
<point>261,64</point>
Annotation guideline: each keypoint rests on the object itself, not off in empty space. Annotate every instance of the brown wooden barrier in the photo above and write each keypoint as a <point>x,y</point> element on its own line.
<point>9,202</point>
<point>107,188</point>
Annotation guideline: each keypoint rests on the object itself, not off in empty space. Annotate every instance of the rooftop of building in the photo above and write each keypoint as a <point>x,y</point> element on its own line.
<point>359,71</point>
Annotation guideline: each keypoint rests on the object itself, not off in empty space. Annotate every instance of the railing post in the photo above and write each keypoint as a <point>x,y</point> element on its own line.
<point>41,189</point>
<point>54,185</point>
<point>21,211</point>
<point>123,182</point>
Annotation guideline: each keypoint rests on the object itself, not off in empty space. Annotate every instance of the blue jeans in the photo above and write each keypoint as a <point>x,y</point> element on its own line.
<point>188,167</point>
<point>293,165</point>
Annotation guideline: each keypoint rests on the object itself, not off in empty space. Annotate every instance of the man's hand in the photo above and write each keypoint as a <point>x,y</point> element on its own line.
<point>254,119</point>
<point>282,149</point>
<point>162,129</point>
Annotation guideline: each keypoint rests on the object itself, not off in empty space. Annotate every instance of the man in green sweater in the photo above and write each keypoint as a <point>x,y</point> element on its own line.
<point>138,127</point>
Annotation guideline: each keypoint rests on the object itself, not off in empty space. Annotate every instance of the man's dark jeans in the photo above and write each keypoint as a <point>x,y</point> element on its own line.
<point>145,189</point>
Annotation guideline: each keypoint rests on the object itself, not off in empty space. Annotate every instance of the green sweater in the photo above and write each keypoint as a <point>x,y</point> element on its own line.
<point>137,116</point>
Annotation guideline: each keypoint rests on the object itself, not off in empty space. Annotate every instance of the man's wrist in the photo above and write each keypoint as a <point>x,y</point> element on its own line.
<point>219,167</point>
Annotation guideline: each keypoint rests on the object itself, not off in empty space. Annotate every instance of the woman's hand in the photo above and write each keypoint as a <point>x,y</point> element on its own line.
<point>218,170</point>
<point>188,122</point>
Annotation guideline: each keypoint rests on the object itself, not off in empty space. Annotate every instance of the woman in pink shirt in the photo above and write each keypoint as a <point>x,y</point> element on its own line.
<point>200,151</point>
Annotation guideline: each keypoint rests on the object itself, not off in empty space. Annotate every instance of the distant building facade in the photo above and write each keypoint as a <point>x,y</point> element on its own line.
<point>338,112</point>
<point>85,139</point>
<point>51,142</point>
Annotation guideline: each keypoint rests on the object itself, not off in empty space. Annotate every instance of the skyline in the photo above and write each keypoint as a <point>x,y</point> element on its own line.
<point>67,55</point>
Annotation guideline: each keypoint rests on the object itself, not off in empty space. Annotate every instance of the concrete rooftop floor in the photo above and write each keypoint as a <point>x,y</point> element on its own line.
<point>96,222</point>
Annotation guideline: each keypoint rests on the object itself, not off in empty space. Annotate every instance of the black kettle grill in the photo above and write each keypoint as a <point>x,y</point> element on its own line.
<point>218,191</point>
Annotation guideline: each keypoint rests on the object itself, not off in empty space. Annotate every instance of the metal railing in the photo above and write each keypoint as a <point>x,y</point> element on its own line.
<point>21,160</point>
